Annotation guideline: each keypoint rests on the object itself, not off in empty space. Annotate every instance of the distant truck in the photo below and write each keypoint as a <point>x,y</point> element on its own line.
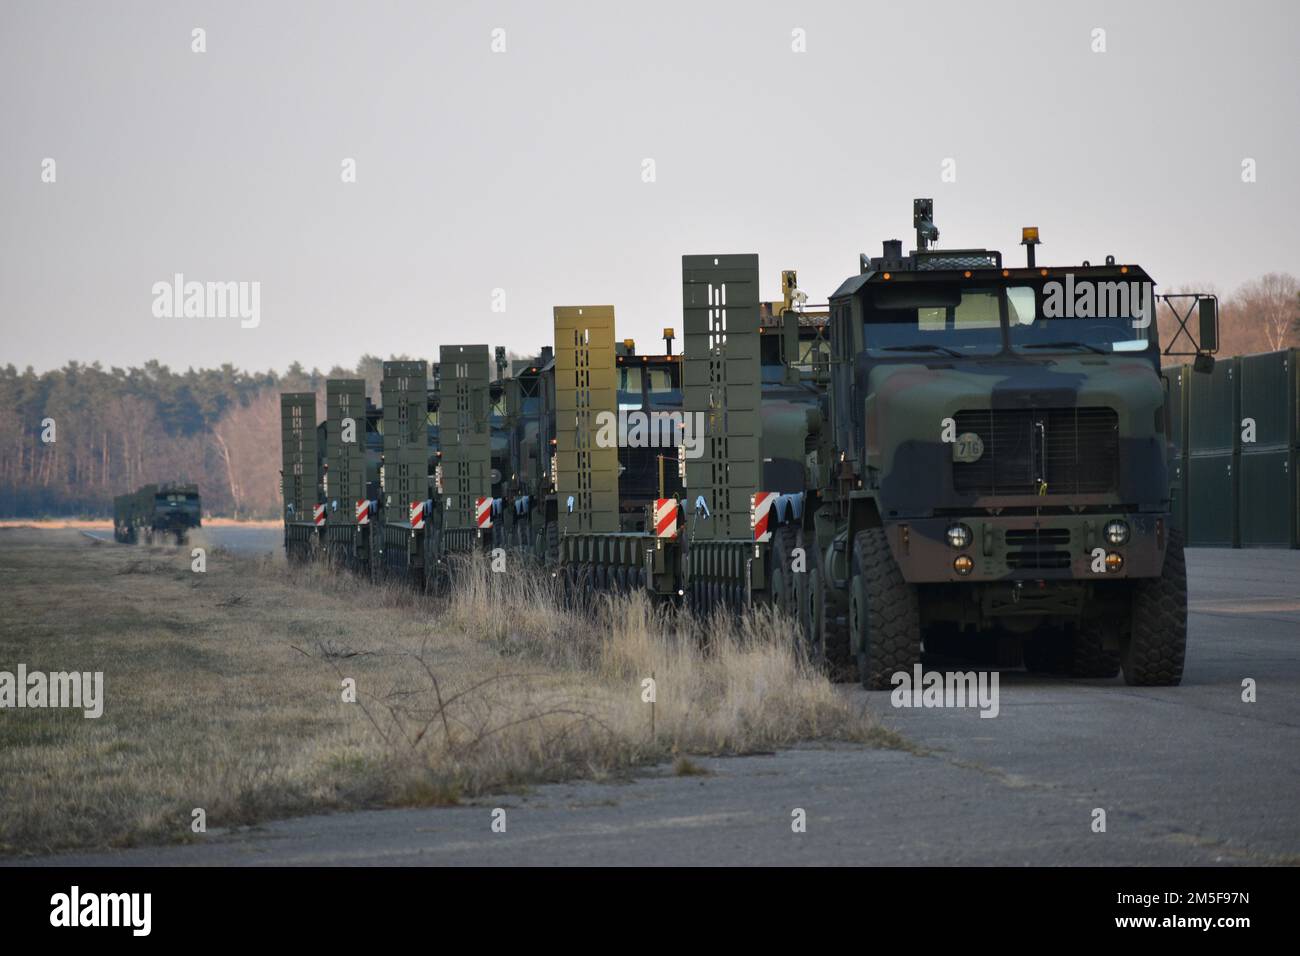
<point>157,511</point>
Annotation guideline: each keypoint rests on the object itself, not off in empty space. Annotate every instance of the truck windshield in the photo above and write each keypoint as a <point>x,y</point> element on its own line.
<point>664,386</point>
<point>933,318</point>
<point>1080,315</point>
<point>629,387</point>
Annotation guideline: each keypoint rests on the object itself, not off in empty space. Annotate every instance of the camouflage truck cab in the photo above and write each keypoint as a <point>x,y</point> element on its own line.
<point>173,510</point>
<point>999,462</point>
<point>405,495</point>
<point>300,475</point>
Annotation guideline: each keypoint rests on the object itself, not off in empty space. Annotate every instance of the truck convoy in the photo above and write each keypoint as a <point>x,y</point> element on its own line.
<point>157,512</point>
<point>952,447</point>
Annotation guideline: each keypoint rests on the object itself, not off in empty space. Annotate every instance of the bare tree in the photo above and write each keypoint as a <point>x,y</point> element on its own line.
<point>1272,302</point>
<point>247,439</point>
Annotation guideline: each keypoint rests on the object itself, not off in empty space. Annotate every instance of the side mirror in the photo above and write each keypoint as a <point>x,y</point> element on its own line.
<point>1209,338</point>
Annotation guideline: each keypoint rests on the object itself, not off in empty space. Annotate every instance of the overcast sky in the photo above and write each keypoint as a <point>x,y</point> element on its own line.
<point>524,170</point>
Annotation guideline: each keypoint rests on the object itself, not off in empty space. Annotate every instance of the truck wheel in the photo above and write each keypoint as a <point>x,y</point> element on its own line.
<point>836,645</point>
<point>1153,654</point>
<point>783,543</point>
<point>552,543</point>
<point>812,610</point>
<point>1086,652</point>
<point>884,616</point>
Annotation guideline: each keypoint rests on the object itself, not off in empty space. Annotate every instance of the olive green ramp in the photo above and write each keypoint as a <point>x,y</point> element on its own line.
<point>299,472</point>
<point>404,389</point>
<point>345,479</point>
<point>465,438</point>
<point>721,375</point>
<point>585,399</point>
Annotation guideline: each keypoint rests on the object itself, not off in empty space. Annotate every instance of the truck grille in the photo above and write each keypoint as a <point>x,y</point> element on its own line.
<point>1038,548</point>
<point>1074,450</point>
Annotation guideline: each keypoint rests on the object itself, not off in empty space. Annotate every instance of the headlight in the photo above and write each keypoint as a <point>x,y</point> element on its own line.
<point>1116,532</point>
<point>959,536</point>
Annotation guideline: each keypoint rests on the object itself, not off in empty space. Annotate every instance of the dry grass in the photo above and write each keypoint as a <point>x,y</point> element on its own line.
<point>224,691</point>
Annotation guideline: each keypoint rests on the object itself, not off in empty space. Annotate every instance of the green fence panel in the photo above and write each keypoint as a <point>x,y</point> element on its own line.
<point>1267,497</point>
<point>1212,404</point>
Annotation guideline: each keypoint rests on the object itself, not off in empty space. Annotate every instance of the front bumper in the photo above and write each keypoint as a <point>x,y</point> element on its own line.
<point>1028,547</point>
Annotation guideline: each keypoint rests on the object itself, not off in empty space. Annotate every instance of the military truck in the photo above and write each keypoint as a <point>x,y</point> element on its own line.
<point>999,442</point>
<point>157,511</point>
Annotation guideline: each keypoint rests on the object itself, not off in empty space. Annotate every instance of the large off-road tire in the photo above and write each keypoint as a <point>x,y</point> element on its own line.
<point>1156,647</point>
<point>835,641</point>
<point>884,615</point>
<point>784,541</point>
<point>551,546</point>
<point>1086,653</point>
<point>809,592</point>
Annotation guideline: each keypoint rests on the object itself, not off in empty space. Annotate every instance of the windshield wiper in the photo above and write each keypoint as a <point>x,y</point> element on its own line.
<point>922,347</point>
<point>1064,345</point>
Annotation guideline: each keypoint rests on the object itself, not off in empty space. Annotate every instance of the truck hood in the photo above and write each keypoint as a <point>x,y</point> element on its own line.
<point>913,407</point>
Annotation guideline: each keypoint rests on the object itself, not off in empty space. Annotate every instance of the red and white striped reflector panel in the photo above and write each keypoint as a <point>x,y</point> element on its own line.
<point>483,512</point>
<point>759,513</point>
<point>363,512</point>
<point>665,517</point>
<point>417,515</point>
<point>319,514</point>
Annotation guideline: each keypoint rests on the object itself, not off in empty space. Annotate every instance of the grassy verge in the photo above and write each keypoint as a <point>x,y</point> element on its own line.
<point>226,691</point>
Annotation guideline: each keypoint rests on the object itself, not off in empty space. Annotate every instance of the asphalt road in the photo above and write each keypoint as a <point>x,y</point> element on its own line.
<point>1187,776</point>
